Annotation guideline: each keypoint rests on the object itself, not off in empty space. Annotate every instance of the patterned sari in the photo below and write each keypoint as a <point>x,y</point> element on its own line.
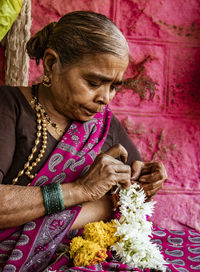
<point>43,244</point>
<point>30,247</point>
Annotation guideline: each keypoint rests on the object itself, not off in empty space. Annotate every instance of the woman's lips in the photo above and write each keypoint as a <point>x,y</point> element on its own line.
<point>90,111</point>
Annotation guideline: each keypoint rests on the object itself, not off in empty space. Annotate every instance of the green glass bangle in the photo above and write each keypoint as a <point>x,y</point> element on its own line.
<point>45,199</point>
<point>61,199</point>
<point>53,198</point>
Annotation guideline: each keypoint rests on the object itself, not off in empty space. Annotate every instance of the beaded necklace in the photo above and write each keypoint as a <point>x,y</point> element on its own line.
<point>42,120</point>
<point>41,133</point>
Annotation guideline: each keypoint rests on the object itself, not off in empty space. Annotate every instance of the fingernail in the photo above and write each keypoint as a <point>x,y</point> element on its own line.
<point>142,179</point>
<point>133,177</point>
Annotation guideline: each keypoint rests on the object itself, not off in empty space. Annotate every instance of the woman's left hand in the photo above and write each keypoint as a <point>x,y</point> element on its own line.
<point>149,175</point>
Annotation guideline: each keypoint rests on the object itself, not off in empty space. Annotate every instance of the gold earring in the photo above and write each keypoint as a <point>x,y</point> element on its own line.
<point>46,81</point>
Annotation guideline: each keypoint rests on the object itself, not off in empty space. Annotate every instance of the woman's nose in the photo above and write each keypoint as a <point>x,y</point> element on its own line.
<point>103,95</point>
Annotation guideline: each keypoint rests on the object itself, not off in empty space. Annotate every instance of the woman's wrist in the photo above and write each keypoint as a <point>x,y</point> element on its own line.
<point>72,194</point>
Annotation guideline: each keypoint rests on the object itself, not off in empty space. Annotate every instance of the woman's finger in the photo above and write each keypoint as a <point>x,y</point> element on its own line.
<point>136,169</point>
<point>123,175</point>
<point>147,168</point>
<point>117,151</point>
<point>163,170</point>
<point>154,167</point>
<point>154,186</point>
<point>122,168</point>
<point>125,183</point>
<point>153,177</point>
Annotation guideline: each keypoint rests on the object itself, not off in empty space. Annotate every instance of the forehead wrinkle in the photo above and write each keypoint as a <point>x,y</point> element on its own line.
<point>103,78</point>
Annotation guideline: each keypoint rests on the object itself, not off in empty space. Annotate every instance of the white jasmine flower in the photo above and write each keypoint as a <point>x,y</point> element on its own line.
<point>134,231</point>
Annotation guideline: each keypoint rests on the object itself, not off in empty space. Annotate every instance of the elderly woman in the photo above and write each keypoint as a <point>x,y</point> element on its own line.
<point>61,148</point>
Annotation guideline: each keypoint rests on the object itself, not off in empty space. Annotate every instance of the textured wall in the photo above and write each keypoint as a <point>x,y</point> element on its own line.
<point>161,107</point>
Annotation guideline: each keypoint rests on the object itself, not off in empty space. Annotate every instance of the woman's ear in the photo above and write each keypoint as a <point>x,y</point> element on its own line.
<point>49,59</point>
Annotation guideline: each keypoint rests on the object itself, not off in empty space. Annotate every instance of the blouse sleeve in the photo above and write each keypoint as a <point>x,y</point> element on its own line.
<point>7,131</point>
<point>118,135</point>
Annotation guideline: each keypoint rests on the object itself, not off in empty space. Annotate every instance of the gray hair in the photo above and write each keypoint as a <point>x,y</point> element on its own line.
<point>77,34</point>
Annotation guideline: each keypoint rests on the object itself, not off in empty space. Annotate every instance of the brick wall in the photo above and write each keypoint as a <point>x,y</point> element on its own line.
<point>161,107</point>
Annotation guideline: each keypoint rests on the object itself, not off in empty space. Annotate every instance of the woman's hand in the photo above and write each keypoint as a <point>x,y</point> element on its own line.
<point>149,175</point>
<point>105,173</point>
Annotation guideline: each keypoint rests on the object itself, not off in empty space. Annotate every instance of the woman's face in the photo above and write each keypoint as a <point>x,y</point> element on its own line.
<point>80,91</point>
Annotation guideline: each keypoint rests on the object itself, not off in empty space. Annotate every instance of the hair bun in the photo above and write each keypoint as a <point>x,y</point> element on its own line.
<point>38,43</point>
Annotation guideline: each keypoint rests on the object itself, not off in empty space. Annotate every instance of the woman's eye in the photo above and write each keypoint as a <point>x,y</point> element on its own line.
<point>116,87</point>
<point>93,84</point>
<point>113,88</point>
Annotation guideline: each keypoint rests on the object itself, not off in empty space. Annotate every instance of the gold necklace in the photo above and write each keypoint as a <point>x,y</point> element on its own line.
<point>41,133</point>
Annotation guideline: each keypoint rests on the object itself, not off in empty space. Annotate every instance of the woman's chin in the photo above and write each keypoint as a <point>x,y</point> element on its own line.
<point>83,118</point>
<point>84,115</point>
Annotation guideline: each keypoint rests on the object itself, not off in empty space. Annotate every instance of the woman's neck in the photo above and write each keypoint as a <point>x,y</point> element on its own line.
<point>45,98</point>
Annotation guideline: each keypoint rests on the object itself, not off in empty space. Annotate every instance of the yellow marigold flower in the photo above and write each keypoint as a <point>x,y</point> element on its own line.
<point>111,229</point>
<point>89,254</point>
<point>101,233</point>
<point>92,249</point>
<point>75,245</point>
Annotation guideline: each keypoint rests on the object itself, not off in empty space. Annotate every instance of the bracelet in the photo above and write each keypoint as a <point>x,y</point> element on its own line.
<point>53,198</point>
<point>150,196</point>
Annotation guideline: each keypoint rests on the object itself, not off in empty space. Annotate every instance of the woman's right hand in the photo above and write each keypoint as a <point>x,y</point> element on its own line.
<point>105,173</point>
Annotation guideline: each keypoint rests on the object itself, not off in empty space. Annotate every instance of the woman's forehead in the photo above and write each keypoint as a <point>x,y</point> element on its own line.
<point>98,63</point>
<point>103,77</point>
<point>104,57</point>
<point>101,67</point>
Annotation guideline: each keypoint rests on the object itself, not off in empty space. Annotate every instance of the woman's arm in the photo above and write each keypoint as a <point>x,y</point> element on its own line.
<point>20,204</point>
<point>94,211</point>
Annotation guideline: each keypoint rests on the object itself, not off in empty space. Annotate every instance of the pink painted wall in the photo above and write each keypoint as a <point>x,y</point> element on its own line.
<point>164,119</point>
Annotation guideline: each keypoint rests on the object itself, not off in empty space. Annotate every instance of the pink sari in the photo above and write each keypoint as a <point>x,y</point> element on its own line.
<point>30,247</point>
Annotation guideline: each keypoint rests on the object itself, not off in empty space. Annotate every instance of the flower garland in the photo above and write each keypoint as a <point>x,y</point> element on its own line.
<point>134,231</point>
<point>98,236</point>
<point>129,235</point>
